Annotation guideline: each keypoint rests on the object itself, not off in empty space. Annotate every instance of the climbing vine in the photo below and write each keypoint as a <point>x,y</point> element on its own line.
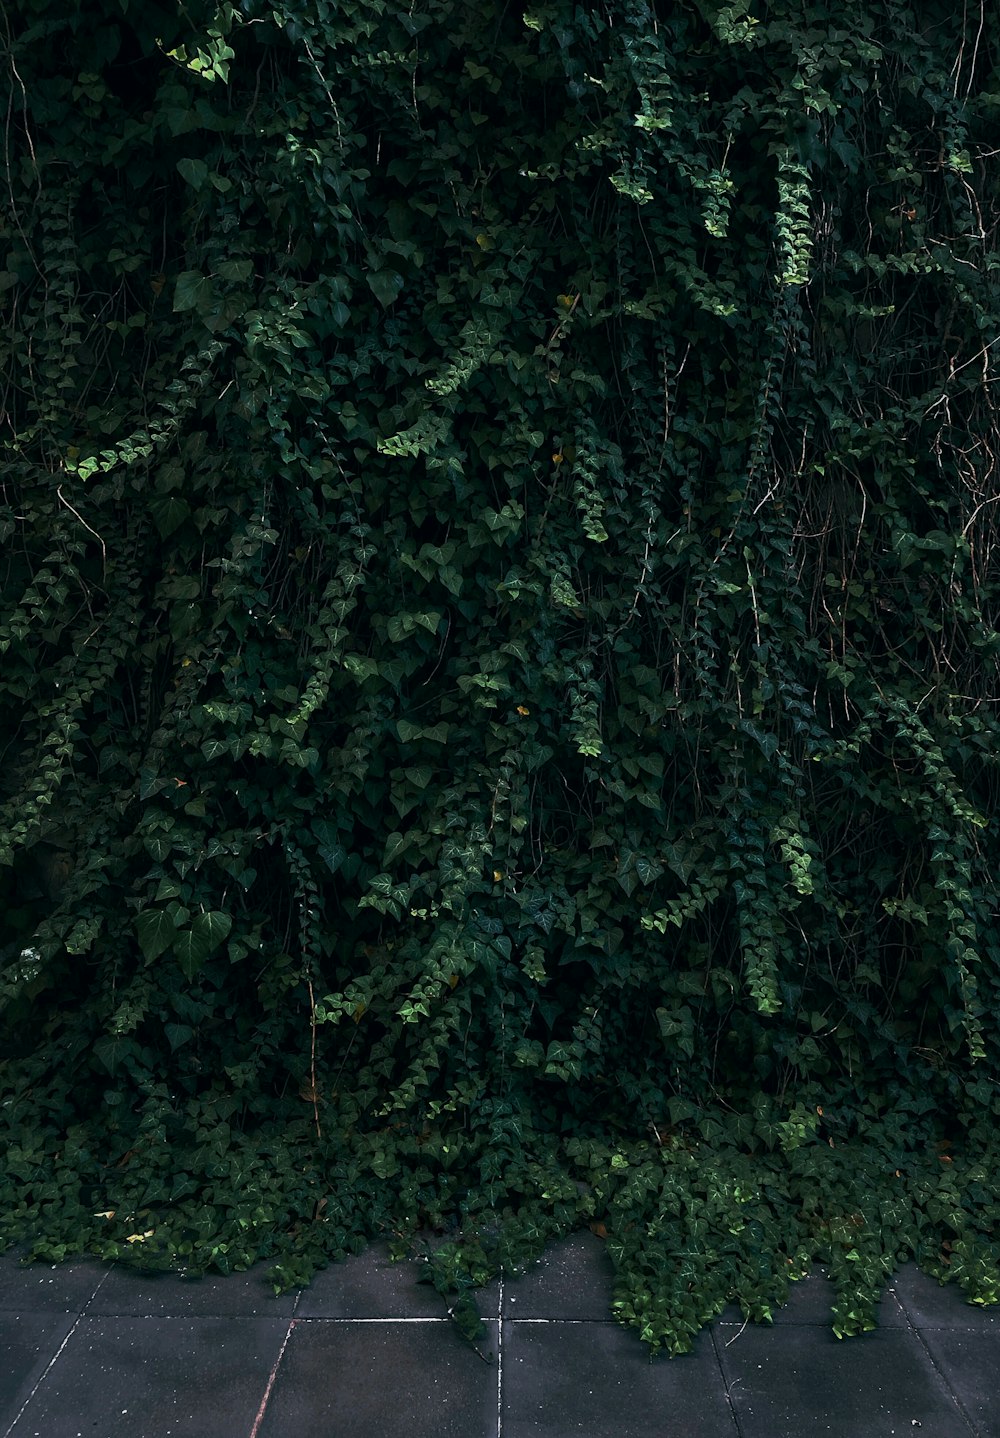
<point>498,615</point>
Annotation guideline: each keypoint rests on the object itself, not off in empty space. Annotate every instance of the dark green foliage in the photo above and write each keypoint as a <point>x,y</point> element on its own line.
<point>499,669</point>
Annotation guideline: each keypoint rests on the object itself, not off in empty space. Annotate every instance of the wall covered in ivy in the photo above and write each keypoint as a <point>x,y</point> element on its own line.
<point>498,704</point>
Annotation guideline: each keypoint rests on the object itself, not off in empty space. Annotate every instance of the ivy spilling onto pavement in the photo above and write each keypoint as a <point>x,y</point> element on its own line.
<point>499,654</point>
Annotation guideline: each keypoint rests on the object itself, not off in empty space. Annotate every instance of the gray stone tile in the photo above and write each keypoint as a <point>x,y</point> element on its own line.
<point>46,1287</point>
<point>931,1304</point>
<point>28,1341</point>
<point>802,1380</point>
<point>370,1285</point>
<point>402,1379</point>
<point>156,1378</point>
<point>970,1363</point>
<point>596,1379</point>
<point>126,1293</point>
<point>573,1279</point>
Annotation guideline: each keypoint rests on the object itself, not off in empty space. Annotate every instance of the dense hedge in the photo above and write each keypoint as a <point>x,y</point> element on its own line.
<point>499,687</point>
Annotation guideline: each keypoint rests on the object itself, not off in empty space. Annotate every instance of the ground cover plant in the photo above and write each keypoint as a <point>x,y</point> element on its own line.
<point>499,658</point>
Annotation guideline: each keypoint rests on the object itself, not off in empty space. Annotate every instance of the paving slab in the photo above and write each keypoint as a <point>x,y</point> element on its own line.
<point>126,1293</point>
<point>28,1342</point>
<point>47,1287</point>
<point>932,1304</point>
<point>371,1285</point>
<point>155,1378</point>
<point>803,1380</point>
<point>410,1378</point>
<point>573,1279</point>
<point>596,1379</point>
<point>971,1365</point>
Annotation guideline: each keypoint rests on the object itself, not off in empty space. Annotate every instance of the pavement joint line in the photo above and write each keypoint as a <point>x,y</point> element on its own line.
<point>318,1318</point>
<point>942,1375</point>
<point>500,1360</point>
<point>725,1381</point>
<point>45,1372</point>
<point>739,1334</point>
<point>271,1377</point>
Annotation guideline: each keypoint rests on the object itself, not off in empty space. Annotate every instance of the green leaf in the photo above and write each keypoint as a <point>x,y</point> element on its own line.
<point>156,932</point>
<point>385,285</point>
<point>158,846</point>
<point>193,291</point>
<point>195,172</point>
<point>110,1050</point>
<point>361,666</point>
<point>193,946</point>
<point>331,851</point>
<point>216,925</point>
<point>192,950</point>
<point>237,270</point>
<point>169,512</point>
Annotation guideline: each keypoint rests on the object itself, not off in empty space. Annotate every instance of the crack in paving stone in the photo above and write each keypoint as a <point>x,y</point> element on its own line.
<point>500,1361</point>
<point>942,1376</point>
<point>270,1381</point>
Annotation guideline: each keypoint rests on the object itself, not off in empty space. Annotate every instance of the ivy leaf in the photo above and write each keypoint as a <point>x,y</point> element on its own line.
<point>156,931</point>
<point>193,291</point>
<point>110,1050</point>
<point>626,875</point>
<point>195,172</point>
<point>331,851</point>
<point>238,270</point>
<point>193,946</point>
<point>158,846</point>
<point>385,285</point>
<point>169,512</point>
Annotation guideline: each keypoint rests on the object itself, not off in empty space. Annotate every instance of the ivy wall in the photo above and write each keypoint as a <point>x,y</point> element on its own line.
<point>499,689</point>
